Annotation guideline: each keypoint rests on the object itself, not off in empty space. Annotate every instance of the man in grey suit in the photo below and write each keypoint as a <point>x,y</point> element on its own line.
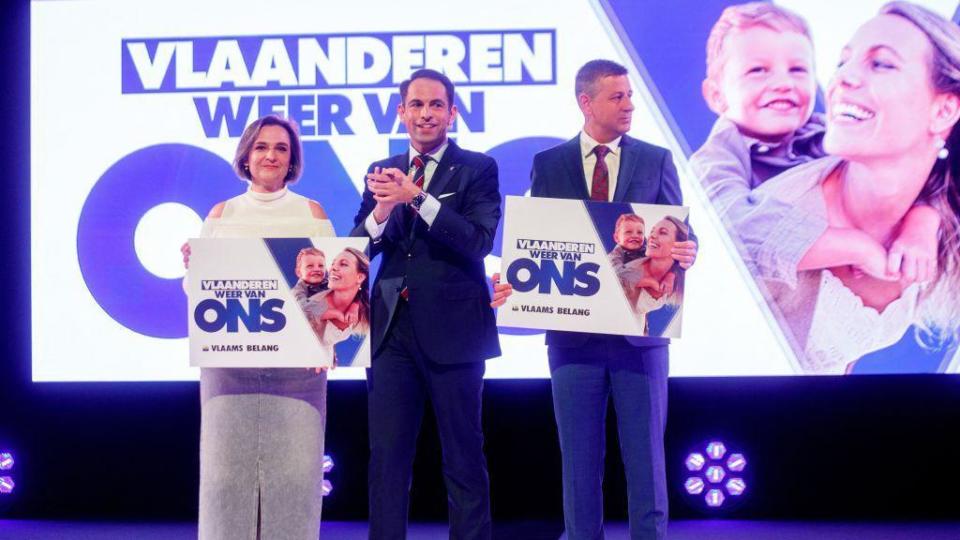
<point>603,163</point>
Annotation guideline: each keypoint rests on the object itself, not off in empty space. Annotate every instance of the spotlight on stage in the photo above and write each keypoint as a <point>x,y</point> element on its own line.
<point>6,482</point>
<point>714,475</point>
<point>328,464</point>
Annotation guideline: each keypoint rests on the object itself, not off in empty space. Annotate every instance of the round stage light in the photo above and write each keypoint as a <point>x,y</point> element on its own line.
<point>736,486</point>
<point>6,461</point>
<point>6,485</point>
<point>327,463</point>
<point>326,487</point>
<point>694,485</point>
<point>736,462</point>
<point>716,449</point>
<point>695,461</point>
<point>715,474</point>
<point>714,498</point>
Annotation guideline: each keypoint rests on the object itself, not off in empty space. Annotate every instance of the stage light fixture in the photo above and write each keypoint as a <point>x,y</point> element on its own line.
<point>714,498</point>
<point>695,461</point>
<point>736,462</point>
<point>327,463</point>
<point>716,449</point>
<point>326,487</point>
<point>717,474</point>
<point>6,461</point>
<point>694,485</point>
<point>736,486</point>
<point>6,485</point>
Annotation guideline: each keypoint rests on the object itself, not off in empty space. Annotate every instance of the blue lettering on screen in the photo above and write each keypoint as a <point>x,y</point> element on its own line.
<point>326,61</point>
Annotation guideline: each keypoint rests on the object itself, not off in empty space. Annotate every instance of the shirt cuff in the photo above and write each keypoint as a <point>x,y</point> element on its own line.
<point>429,209</point>
<point>374,229</point>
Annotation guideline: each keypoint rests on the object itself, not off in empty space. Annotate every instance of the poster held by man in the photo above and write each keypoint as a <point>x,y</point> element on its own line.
<point>593,267</point>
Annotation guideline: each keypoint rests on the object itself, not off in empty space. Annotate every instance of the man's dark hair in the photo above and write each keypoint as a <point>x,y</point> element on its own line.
<point>428,74</point>
<point>593,71</point>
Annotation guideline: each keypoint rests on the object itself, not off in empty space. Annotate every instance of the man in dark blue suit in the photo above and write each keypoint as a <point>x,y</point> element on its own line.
<point>603,163</point>
<point>431,213</point>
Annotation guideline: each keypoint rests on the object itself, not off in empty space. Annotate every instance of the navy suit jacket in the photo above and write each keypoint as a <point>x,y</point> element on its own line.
<point>441,265</point>
<point>647,175</point>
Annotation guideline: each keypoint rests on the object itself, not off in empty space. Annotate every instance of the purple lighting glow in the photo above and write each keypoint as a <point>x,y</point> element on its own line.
<point>327,463</point>
<point>736,486</point>
<point>694,485</point>
<point>695,461</point>
<point>6,461</point>
<point>6,485</point>
<point>717,474</point>
<point>327,487</point>
<point>736,462</point>
<point>716,449</point>
<point>714,498</point>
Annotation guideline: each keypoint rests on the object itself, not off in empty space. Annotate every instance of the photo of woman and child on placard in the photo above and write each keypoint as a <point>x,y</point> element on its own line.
<point>652,280</point>
<point>850,220</point>
<point>335,299</point>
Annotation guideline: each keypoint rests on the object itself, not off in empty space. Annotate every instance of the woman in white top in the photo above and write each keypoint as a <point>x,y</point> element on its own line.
<point>892,111</point>
<point>262,430</point>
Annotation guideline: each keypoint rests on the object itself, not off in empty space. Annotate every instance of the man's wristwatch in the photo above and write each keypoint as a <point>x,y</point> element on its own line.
<point>417,200</point>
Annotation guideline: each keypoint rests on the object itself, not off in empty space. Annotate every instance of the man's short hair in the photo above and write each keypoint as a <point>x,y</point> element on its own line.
<point>592,72</point>
<point>433,75</point>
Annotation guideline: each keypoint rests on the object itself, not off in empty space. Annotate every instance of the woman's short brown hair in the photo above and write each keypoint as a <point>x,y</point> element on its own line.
<point>250,136</point>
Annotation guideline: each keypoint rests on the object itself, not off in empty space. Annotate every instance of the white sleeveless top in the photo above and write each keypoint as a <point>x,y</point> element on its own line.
<point>281,214</point>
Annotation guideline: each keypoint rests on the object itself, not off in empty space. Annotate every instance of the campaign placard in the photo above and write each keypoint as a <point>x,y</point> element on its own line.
<point>596,267</point>
<point>279,302</point>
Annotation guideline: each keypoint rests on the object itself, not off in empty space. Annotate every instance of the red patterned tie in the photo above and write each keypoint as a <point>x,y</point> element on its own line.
<point>600,188</point>
<point>420,168</point>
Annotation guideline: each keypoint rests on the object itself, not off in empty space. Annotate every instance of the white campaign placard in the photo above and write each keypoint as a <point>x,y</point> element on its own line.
<point>252,304</point>
<point>594,267</point>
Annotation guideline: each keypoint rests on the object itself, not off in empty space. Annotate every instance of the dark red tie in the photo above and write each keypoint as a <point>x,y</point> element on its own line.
<point>420,168</point>
<point>600,188</point>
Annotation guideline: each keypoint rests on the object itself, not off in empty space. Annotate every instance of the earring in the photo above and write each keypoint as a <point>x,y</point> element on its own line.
<point>942,150</point>
<point>246,167</point>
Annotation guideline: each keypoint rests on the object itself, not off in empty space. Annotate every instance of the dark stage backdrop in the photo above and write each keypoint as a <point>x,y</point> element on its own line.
<point>865,448</point>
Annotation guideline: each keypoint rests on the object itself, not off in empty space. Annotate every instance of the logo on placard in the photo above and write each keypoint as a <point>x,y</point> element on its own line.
<point>555,264</point>
<point>237,301</point>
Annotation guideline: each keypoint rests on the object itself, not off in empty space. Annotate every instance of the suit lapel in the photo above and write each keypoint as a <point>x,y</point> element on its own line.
<point>574,162</point>
<point>628,162</point>
<point>446,169</point>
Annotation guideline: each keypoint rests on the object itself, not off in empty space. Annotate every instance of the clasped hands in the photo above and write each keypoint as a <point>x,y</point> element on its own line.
<point>390,187</point>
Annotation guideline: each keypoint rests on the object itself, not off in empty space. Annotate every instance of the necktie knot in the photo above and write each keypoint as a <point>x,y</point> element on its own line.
<point>601,150</point>
<point>419,161</point>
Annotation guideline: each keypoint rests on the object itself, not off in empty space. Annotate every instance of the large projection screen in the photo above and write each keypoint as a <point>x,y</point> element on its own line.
<point>136,110</point>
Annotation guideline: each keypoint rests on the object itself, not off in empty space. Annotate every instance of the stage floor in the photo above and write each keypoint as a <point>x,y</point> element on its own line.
<point>680,530</point>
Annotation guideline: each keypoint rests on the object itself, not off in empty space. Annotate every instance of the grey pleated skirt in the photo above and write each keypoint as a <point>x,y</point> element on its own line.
<point>261,453</point>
